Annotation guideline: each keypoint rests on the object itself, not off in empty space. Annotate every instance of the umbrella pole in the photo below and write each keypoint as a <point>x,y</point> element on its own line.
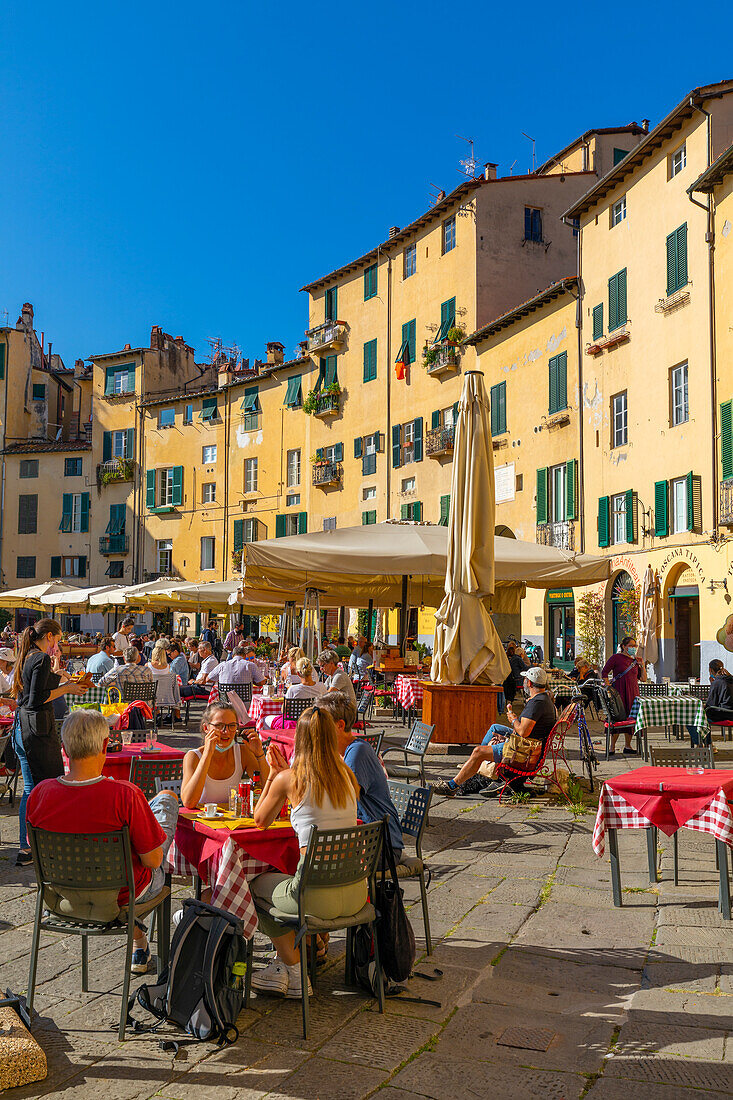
<point>370,612</point>
<point>403,615</point>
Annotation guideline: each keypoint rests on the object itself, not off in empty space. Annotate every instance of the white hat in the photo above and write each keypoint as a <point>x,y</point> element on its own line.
<point>7,655</point>
<point>536,676</point>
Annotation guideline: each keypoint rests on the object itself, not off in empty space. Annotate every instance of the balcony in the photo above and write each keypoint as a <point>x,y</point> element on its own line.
<point>439,441</point>
<point>115,469</point>
<point>446,359</point>
<point>329,336</point>
<point>114,544</point>
<point>726,503</point>
<point>559,535</point>
<point>326,474</point>
<point>327,404</point>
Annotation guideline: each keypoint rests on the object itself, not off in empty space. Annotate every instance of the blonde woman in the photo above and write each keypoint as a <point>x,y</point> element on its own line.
<point>322,792</point>
<point>169,693</point>
<point>289,672</point>
<point>305,687</point>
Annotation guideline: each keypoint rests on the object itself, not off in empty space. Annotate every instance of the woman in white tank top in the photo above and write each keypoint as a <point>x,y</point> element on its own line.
<point>322,791</point>
<point>210,772</point>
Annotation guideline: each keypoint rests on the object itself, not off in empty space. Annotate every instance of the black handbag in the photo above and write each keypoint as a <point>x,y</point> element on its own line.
<point>394,931</point>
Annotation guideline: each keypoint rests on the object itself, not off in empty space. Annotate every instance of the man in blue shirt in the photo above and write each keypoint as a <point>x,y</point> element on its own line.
<point>374,799</point>
<point>179,664</point>
<point>102,661</point>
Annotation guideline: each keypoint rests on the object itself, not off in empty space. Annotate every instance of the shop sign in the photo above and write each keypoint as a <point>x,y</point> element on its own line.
<point>684,556</point>
<point>560,595</point>
<point>629,566</point>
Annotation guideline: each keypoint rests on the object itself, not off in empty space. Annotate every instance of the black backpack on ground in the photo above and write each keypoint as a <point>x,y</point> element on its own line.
<point>202,989</point>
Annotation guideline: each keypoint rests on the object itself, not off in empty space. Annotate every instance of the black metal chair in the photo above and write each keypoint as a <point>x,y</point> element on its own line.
<point>168,785</point>
<point>364,708</point>
<point>8,783</point>
<point>334,857</point>
<point>649,690</point>
<point>293,708</point>
<point>144,772</point>
<point>626,725</point>
<point>96,676</point>
<point>77,871</point>
<point>416,745</point>
<point>373,739</point>
<point>244,691</point>
<point>412,804</point>
<point>144,690</point>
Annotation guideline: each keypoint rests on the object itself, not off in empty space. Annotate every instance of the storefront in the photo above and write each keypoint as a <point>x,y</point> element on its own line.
<point>684,611</point>
<point>560,619</point>
<point>624,608</point>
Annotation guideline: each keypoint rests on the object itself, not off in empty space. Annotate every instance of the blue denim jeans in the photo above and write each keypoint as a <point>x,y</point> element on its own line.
<point>492,731</point>
<point>25,771</point>
<point>165,808</point>
<point>694,733</point>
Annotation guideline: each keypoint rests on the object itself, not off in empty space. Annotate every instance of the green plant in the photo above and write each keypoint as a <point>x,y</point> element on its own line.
<point>456,335</point>
<point>237,560</point>
<point>121,471</point>
<point>590,621</point>
<point>628,611</point>
<point>310,404</point>
<point>519,797</point>
<point>334,389</point>
<point>429,357</point>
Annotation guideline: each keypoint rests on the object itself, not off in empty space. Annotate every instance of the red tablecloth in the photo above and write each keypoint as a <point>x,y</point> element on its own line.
<point>285,741</point>
<point>409,691</point>
<point>117,764</point>
<point>669,798</point>
<point>261,707</point>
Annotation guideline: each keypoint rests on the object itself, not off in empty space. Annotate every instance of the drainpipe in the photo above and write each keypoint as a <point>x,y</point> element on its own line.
<point>710,239</point>
<point>5,428</point>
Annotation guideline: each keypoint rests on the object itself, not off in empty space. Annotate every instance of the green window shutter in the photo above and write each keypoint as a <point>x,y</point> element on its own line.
<point>332,304</point>
<point>622,312</point>
<point>396,446</point>
<point>726,439</point>
<point>613,321</point>
<point>370,282</point>
<point>279,526</point>
<point>405,511</point>
<point>2,361</point>
<point>238,540</point>
<point>672,263</point>
<point>444,510</point>
<point>630,515</point>
<point>250,403</point>
<point>55,567</point>
<point>130,443</point>
<point>598,321</point>
<point>150,488</point>
<point>106,446</point>
<point>413,337</point>
<point>604,521</point>
<point>498,408</point>
<point>661,509</point>
<point>690,503</point>
<point>417,510</point>
<point>177,485</point>
<point>542,495</point>
<point>552,404</point>
<point>358,447</point>
<point>319,454</point>
<point>338,452</point>
<point>571,509</point>
<point>109,381</point>
<point>417,444</point>
<point>82,565</point>
<point>66,511</point>
<point>435,419</point>
<point>368,518</point>
<point>370,360</point>
<point>682,256</point>
<point>131,378</point>
<point>562,381</point>
<point>209,409</point>
<point>331,370</point>
<point>409,331</point>
<point>302,523</point>
<point>448,314</point>
<point>292,396</point>
<point>502,407</point>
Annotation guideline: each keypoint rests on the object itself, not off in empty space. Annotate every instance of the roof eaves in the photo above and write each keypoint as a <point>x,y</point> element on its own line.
<point>630,128</point>
<point>715,174</point>
<point>555,290</point>
<point>123,353</point>
<point>46,446</point>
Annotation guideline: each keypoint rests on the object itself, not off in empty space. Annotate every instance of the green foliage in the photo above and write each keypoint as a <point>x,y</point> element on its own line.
<point>237,560</point>
<point>122,471</point>
<point>5,617</point>
<point>456,335</point>
<point>310,404</point>
<point>628,611</point>
<point>429,357</point>
<point>590,621</point>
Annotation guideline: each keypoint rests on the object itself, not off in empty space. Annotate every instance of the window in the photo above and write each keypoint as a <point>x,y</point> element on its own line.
<point>250,475</point>
<point>72,467</point>
<point>293,523</point>
<point>598,321</point>
<point>164,554</point>
<point>617,300</point>
<point>75,512</point>
<point>618,155</point>
<point>117,519</point>
<point>409,261</point>
<point>558,501</point>
<point>115,570</point>
<point>558,368</point>
<point>327,373</point>
<point>119,444</point>
<point>557,493</point>
<point>444,510</point>
<point>406,354</point>
<point>407,442</point>
<point>294,394</point>
<point>293,468</point>
<point>532,224</point>
<point>677,161</point>
<point>27,513</point>
<point>618,518</point>
<point>412,511</point>
<point>447,320</point>
<point>25,567</point>
<point>408,447</point>
<point>188,414</point>
<point>245,530</point>
<point>678,394</point>
<point>292,499</point>
<point>165,487</point>
<point>329,524</point>
<point>334,453</point>
<point>368,518</point>
<point>449,234</point>
<point>74,566</point>
<point>370,360</point>
<point>369,459</point>
<point>209,410</point>
<point>677,259</point>
<point>408,484</point>
<point>331,301</point>
<point>39,391</point>
<point>166,418</point>
<point>370,493</point>
<point>370,282</point>
<point>618,211</point>
<point>678,496</point>
<point>251,409</point>
<point>208,454</point>
<point>119,380</point>
<point>208,492</point>
<point>28,467</point>
<point>619,420</point>
<point>498,409</point>
<point>208,544</point>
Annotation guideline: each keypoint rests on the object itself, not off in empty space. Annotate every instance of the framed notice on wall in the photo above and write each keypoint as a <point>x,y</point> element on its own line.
<point>504,483</point>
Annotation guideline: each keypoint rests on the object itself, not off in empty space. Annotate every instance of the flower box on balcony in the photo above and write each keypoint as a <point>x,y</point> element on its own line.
<point>439,441</point>
<point>115,469</point>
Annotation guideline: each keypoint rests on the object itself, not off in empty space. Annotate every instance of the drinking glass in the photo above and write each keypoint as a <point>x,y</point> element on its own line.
<point>149,738</point>
<point>126,737</point>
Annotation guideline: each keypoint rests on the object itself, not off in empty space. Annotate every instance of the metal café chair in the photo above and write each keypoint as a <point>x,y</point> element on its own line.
<point>144,772</point>
<point>244,691</point>
<point>373,739</point>
<point>688,757</point>
<point>144,690</point>
<point>8,783</point>
<point>415,746</point>
<point>412,804</point>
<point>293,708</point>
<point>364,708</point>
<point>168,785</point>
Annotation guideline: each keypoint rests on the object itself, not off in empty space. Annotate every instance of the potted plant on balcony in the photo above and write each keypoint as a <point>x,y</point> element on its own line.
<point>237,560</point>
<point>429,357</point>
<point>455,335</point>
<point>310,403</point>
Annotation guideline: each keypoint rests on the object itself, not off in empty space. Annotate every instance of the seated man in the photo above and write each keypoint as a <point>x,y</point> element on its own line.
<point>102,661</point>
<point>719,703</point>
<point>87,801</point>
<point>179,664</point>
<point>360,666</point>
<point>200,688</point>
<point>336,678</point>
<point>239,669</point>
<point>538,718</point>
<point>132,671</point>
<point>374,799</point>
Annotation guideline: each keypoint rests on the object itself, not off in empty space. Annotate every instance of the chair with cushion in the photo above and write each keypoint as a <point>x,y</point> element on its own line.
<point>412,805</point>
<point>415,746</point>
<point>144,771</point>
<point>626,725</point>
<point>79,878</point>
<point>687,757</point>
<point>373,739</point>
<point>144,690</point>
<point>293,708</point>
<point>334,857</point>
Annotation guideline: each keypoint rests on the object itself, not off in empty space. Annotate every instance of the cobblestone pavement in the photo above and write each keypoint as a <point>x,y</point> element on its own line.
<point>547,990</point>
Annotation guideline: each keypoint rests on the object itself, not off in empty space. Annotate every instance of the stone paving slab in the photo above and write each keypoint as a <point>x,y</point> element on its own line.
<point>561,926</point>
<point>379,1040</point>
<point>685,1008</point>
<point>601,898</point>
<point>468,1079</point>
<point>671,934</point>
<point>694,915</point>
<point>689,977</point>
<point>677,1055</point>
<point>609,1088</point>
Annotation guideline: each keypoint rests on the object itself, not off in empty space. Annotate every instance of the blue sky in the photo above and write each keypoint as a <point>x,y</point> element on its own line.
<point>194,165</point>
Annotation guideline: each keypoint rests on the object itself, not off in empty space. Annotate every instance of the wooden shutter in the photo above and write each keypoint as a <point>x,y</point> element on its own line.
<point>630,510</point>
<point>671,263</point>
<point>502,407</point>
<point>408,341</point>
<point>448,314</point>
<point>331,370</point>
<point>150,488</point>
<point>131,378</point>
<point>598,321</point>
<point>177,485</point>
<point>106,446</point>
<point>338,452</point>
<point>542,495</point>
<point>66,511</point>
<point>417,444</point>
<point>55,566</point>
<point>604,521</point>
<point>435,419</point>
<point>130,444</point>
<point>726,439</point>
<point>682,256</point>
<point>571,508</point>
<point>358,447</point>
<point>85,511</point>
<point>613,303</point>
<point>302,523</point>
<point>444,510</point>
<point>109,381</point>
<point>552,403</point>
<point>405,511</point>
<point>279,526</point>
<point>417,510</point>
<point>661,509</point>
<point>82,565</point>
<point>561,371</point>
<point>396,446</point>
<point>621,283</point>
<point>238,539</point>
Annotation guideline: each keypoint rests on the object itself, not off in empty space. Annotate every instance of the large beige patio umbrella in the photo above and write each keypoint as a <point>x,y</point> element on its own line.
<point>467,645</point>
<point>31,595</point>
<point>648,648</point>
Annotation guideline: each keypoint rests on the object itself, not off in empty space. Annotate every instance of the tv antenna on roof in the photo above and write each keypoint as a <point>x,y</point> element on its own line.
<point>468,166</point>
<point>534,146</point>
<point>437,194</point>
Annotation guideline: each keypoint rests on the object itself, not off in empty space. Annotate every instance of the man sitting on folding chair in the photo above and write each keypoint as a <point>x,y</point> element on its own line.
<point>538,718</point>
<point>85,801</point>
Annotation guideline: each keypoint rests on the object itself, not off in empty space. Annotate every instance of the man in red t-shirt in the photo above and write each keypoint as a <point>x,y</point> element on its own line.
<point>89,802</point>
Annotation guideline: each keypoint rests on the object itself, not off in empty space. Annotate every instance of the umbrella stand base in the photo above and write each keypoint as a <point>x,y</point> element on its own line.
<point>461,713</point>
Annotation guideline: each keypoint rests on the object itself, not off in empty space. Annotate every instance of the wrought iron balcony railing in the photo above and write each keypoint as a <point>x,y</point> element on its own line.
<point>439,441</point>
<point>328,335</point>
<point>327,473</point>
<point>114,544</point>
<point>560,535</point>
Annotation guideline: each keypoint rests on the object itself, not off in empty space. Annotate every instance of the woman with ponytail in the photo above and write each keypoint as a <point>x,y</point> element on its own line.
<point>35,686</point>
<point>322,792</point>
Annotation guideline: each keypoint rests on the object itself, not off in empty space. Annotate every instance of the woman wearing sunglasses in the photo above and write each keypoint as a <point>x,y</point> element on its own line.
<point>209,773</point>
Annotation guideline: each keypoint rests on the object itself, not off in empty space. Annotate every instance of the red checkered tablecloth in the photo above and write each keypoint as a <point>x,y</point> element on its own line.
<point>261,707</point>
<point>230,869</point>
<point>409,691</point>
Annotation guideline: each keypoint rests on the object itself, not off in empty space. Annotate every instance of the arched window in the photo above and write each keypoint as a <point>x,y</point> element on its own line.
<point>622,616</point>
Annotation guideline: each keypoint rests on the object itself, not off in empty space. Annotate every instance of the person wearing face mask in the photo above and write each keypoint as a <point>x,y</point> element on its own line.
<point>627,670</point>
<point>209,773</point>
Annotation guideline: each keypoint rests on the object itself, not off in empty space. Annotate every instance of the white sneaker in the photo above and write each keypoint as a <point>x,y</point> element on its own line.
<point>295,985</point>
<point>272,979</point>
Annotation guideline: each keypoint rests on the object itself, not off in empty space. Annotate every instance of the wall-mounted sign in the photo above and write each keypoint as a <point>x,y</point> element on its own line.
<point>560,595</point>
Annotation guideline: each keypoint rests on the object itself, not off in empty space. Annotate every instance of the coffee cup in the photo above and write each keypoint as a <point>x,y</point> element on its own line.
<point>210,809</point>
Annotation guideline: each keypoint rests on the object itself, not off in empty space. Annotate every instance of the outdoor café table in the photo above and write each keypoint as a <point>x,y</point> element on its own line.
<point>409,693</point>
<point>227,853</point>
<point>117,764</point>
<point>668,710</point>
<point>668,799</point>
<point>263,706</point>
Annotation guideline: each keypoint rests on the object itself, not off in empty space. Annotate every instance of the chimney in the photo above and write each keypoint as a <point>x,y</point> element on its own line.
<point>645,125</point>
<point>275,352</point>
<point>303,349</point>
<point>393,231</point>
<point>490,171</point>
<point>156,337</point>
<point>26,316</point>
<point>79,367</point>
